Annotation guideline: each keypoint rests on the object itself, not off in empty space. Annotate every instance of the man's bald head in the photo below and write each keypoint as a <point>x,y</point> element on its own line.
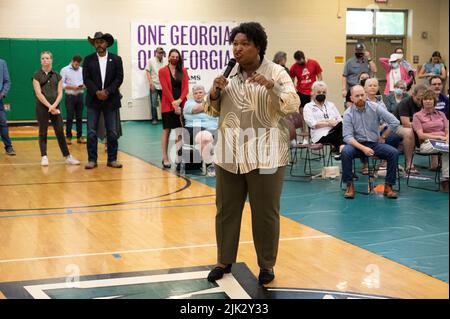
<point>358,95</point>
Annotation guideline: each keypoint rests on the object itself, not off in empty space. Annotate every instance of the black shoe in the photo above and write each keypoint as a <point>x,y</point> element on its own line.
<point>218,272</point>
<point>10,151</point>
<point>114,164</point>
<point>167,166</point>
<point>337,157</point>
<point>265,276</point>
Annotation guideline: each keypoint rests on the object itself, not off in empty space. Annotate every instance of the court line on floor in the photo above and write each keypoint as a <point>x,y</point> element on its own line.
<point>121,210</point>
<point>148,250</point>
<point>137,201</point>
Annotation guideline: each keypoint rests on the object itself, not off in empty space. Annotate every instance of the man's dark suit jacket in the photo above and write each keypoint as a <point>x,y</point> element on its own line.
<point>93,80</point>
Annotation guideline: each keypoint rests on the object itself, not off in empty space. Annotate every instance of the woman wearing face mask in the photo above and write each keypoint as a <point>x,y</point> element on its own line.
<point>324,119</point>
<point>395,71</point>
<point>396,97</point>
<point>174,81</point>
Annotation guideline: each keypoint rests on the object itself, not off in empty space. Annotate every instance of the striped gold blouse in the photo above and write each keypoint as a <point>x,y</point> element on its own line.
<point>252,133</point>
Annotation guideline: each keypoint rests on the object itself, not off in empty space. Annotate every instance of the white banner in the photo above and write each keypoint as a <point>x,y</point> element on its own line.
<point>204,48</point>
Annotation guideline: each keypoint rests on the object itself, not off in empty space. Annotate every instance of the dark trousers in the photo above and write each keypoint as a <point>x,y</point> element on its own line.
<point>112,135</point>
<point>43,116</point>
<point>382,151</point>
<point>264,191</point>
<point>4,127</point>
<point>304,99</point>
<point>154,102</point>
<point>334,137</point>
<point>74,105</point>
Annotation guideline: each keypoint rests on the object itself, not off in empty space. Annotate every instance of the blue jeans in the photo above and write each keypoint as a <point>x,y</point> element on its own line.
<point>382,151</point>
<point>154,102</point>
<point>112,134</point>
<point>4,127</point>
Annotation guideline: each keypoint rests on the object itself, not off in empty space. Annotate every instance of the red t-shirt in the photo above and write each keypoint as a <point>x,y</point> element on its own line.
<point>306,75</point>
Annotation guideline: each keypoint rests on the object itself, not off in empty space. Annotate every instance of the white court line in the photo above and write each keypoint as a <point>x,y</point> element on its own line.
<point>147,250</point>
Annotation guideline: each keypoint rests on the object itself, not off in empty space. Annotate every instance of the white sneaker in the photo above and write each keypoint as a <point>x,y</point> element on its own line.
<point>72,160</point>
<point>305,141</point>
<point>44,161</point>
<point>211,170</point>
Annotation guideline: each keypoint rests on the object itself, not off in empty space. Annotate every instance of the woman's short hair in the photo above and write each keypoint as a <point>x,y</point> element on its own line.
<point>255,33</point>
<point>400,82</point>
<point>47,52</point>
<point>430,95</point>
<point>280,55</point>
<point>198,87</point>
<point>317,85</point>
<point>370,81</point>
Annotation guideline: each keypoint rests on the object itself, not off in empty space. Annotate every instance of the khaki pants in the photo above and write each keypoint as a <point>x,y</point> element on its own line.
<point>264,191</point>
<point>426,147</point>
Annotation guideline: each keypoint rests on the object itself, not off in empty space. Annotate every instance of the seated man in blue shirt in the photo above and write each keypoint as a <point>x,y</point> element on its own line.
<point>362,136</point>
<point>436,86</point>
<point>201,127</point>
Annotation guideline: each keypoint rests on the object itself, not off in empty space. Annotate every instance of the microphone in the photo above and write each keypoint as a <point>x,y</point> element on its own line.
<point>226,73</point>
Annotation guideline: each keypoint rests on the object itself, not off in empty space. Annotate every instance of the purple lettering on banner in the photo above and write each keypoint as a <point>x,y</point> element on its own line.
<point>213,59</point>
<point>213,35</point>
<point>152,34</point>
<point>226,38</point>
<point>227,58</point>
<point>203,35</point>
<point>203,60</point>
<point>141,35</point>
<point>174,38</point>
<point>183,35</point>
<point>161,35</point>
<point>142,59</point>
<point>193,35</point>
<point>193,60</point>
<point>184,54</point>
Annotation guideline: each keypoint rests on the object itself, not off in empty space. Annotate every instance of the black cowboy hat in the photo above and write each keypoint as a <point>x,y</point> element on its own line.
<point>100,35</point>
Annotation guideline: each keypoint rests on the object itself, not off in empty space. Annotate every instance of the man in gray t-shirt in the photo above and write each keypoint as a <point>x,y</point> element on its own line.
<point>362,62</point>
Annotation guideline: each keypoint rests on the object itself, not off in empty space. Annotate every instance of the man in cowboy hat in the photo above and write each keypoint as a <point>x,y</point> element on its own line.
<point>102,76</point>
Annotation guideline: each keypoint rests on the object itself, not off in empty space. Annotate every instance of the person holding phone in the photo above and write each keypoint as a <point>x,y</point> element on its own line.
<point>72,79</point>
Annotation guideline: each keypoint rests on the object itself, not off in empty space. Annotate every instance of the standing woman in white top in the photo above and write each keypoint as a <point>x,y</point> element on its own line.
<point>324,119</point>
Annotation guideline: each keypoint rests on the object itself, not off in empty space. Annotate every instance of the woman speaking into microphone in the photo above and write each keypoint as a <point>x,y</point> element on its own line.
<point>252,149</point>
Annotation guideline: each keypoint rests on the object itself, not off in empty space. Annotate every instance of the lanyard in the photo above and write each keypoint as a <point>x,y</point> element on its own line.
<point>325,114</point>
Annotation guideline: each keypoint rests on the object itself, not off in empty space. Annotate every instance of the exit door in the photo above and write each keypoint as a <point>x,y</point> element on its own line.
<point>379,47</point>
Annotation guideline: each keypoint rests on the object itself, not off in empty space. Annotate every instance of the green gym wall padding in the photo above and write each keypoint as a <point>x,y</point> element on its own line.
<point>23,59</point>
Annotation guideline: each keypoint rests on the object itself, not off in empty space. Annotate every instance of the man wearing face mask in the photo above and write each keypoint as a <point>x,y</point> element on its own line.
<point>395,71</point>
<point>361,134</point>
<point>323,119</point>
<point>362,62</point>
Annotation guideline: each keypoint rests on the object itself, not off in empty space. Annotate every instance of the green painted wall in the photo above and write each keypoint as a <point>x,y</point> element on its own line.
<point>23,59</point>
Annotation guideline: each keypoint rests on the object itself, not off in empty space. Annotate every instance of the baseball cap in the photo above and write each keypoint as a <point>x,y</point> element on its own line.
<point>360,47</point>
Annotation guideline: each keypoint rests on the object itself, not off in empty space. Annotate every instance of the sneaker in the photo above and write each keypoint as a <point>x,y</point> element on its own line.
<point>72,160</point>
<point>154,122</point>
<point>44,161</point>
<point>337,157</point>
<point>210,170</point>
<point>305,141</point>
<point>69,140</point>
<point>10,151</point>
<point>81,140</point>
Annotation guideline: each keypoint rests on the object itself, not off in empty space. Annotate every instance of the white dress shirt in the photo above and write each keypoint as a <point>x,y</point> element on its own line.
<point>103,61</point>
<point>313,113</point>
